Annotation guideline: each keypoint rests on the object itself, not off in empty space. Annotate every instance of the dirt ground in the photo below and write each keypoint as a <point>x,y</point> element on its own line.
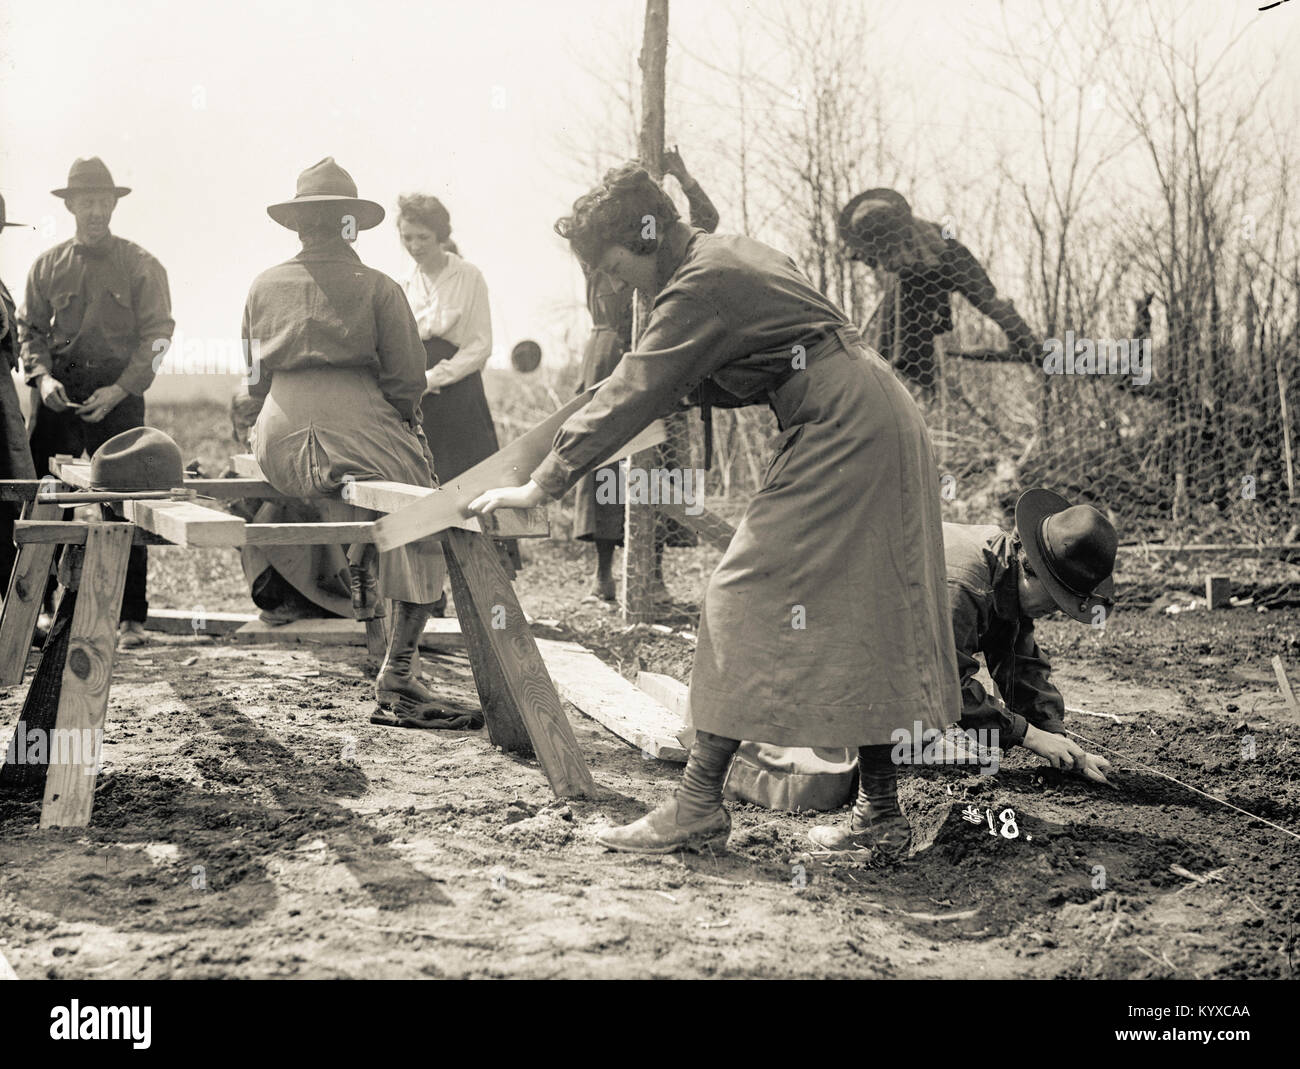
<point>250,822</point>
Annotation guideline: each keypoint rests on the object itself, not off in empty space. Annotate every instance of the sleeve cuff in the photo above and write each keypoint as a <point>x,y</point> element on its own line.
<point>1016,732</point>
<point>554,476</point>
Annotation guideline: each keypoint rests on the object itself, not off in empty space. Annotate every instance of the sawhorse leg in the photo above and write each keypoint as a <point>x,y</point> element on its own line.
<point>522,708</point>
<point>24,597</point>
<point>75,749</point>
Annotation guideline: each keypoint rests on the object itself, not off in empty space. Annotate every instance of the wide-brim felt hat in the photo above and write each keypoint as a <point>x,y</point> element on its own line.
<point>1072,551</point>
<point>143,458</point>
<point>4,221</point>
<point>875,213</point>
<point>326,187</point>
<point>90,176</point>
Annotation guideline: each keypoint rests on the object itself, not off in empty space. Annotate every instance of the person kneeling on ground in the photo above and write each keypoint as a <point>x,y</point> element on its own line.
<point>1059,558</point>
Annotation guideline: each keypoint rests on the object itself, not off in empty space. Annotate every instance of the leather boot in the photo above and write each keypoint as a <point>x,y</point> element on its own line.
<point>694,818</point>
<point>877,828</point>
<point>395,686</point>
<point>366,602</point>
<point>665,830</point>
<point>885,838</point>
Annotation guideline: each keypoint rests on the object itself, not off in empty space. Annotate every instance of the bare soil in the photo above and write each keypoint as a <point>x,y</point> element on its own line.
<point>250,822</point>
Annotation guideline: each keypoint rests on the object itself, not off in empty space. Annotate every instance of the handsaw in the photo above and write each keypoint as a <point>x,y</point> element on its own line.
<point>511,466</point>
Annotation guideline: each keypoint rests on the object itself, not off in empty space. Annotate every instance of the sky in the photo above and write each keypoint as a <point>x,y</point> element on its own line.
<point>210,110</point>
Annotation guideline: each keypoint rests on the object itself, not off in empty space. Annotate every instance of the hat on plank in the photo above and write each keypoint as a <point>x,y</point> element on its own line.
<point>143,458</point>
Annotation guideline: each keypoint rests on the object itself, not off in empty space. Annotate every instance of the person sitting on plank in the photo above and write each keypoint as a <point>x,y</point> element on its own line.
<point>826,621</point>
<point>336,361</point>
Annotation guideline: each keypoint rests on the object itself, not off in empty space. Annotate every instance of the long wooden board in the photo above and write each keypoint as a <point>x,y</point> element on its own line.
<point>70,533</point>
<point>184,523</point>
<point>509,671</point>
<point>196,621</point>
<point>511,466</point>
<point>87,673</point>
<point>439,634</point>
<point>609,699</point>
<point>674,696</point>
<point>390,497</point>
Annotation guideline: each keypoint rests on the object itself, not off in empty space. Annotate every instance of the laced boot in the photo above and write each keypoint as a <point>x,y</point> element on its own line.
<point>693,818</point>
<point>877,828</point>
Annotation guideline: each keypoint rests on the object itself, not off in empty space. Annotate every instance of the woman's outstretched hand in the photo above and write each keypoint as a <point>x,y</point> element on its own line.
<point>528,496</point>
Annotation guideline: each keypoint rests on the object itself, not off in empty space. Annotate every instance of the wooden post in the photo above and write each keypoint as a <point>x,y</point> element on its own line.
<point>1218,589</point>
<point>87,673</point>
<point>523,711</point>
<point>1286,430</point>
<point>639,520</point>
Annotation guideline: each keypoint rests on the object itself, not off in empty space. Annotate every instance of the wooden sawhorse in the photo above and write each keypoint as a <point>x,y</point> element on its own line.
<point>521,707</point>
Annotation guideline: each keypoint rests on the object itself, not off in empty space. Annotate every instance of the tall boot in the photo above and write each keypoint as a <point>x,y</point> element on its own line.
<point>364,580</point>
<point>877,825</point>
<point>395,686</point>
<point>694,817</point>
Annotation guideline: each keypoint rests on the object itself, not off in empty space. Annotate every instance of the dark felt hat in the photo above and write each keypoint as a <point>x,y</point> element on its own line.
<point>321,186</point>
<point>90,176</point>
<point>142,458</point>
<point>876,213</point>
<point>1071,549</point>
<point>4,222</point>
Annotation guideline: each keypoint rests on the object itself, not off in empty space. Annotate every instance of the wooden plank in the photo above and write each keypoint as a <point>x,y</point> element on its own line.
<point>712,528</point>
<point>185,523</point>
<point>235,489</point>
<point>246,465</point>
<point>511,466</point>
<point>609,699</point>
<point>508,669</point>
<point>23,598</point>
<point>1218,589</point>
<point>87,673</point>
<point>380,496</point>
<point>674,696</point>
<point>1284,684</point>
<point>308,534</point>
<point>439,634</point>
<point>71,533</point>
<point>191,621</point>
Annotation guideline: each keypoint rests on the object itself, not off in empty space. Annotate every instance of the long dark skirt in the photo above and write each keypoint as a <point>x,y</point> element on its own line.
<point>458,424</point>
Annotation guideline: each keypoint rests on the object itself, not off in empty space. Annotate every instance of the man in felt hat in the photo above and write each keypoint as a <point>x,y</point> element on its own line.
<point>97,318</point>
<point>15,454</point>
<point>878,229</point>
<point>1059,558</point>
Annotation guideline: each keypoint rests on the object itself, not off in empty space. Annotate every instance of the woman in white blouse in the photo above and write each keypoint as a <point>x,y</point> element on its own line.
<point>450,301</point>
